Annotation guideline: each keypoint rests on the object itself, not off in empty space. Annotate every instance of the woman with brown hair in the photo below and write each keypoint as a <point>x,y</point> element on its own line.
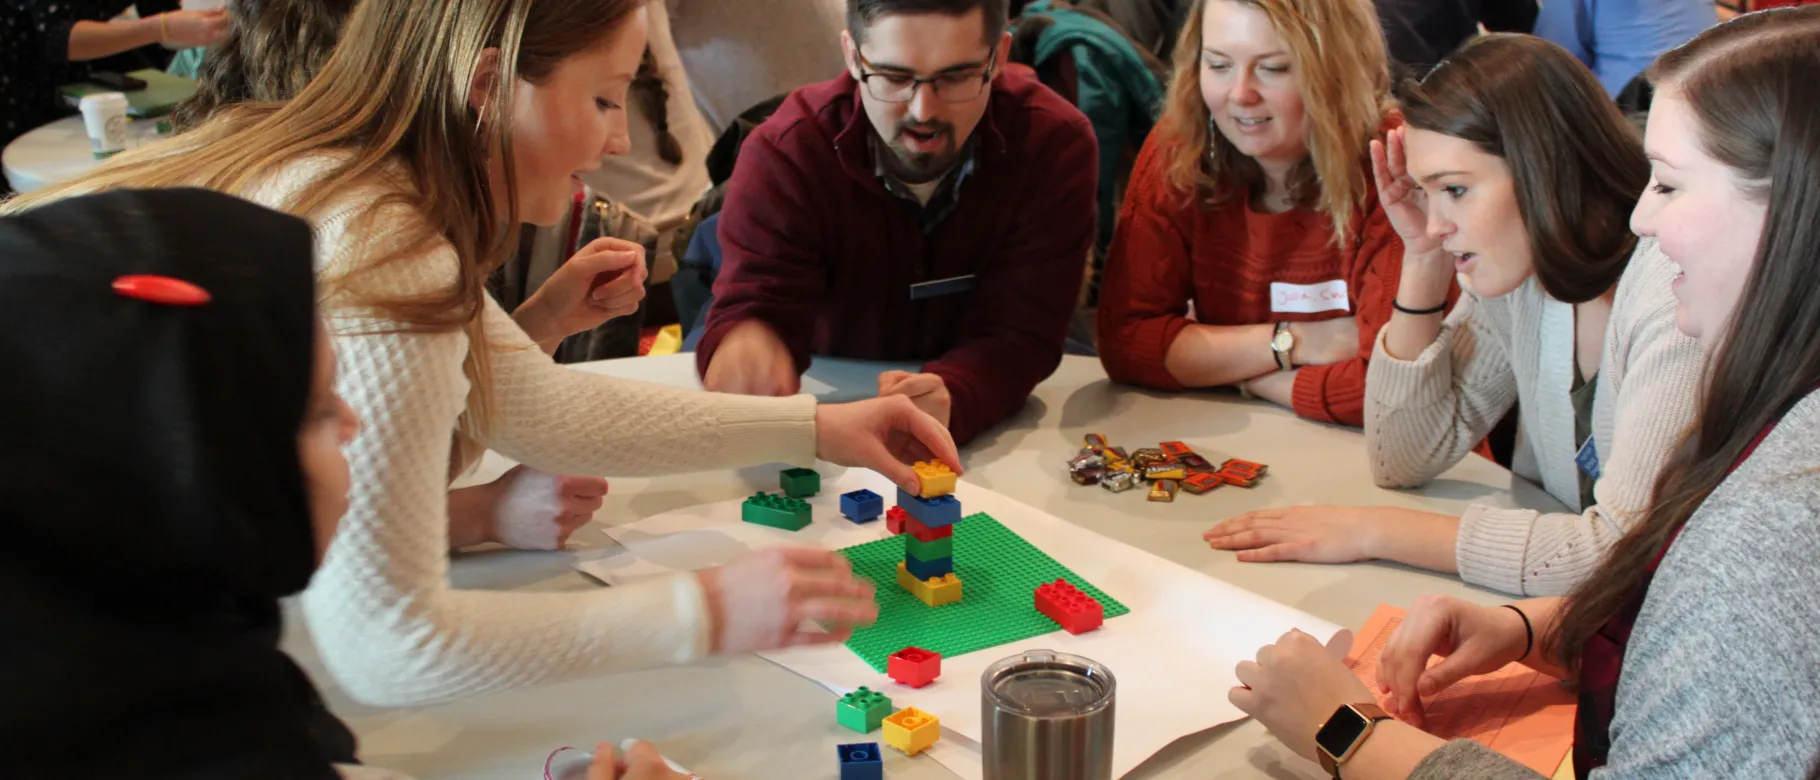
<point>430,134</point>
<point>269,56</point>
<point>1251,251</point>
<point>1694,644</point>
<point>1518,177</point>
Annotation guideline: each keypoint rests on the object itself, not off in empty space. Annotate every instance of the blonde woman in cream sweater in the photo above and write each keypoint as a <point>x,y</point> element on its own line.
<point>414,154</point>
<point>1516,173</point>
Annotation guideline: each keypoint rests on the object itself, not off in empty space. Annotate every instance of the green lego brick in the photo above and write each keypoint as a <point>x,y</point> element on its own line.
<point>1001,571</point>
<point>862,710</point>
<point>777,511</point>
<point>929,551</point>
<point>799,483</point>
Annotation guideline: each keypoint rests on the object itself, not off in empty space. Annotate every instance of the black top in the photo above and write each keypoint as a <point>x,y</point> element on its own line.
<point>1421,33</point>
<point>151,495</point>
<point>34,56</point>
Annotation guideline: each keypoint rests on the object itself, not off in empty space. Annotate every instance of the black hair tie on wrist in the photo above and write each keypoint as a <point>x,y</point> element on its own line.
<point>1406,310</point>
<point>1529,632</point>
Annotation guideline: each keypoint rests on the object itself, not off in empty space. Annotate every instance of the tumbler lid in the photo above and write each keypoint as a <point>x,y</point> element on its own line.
<point>1047,684</point>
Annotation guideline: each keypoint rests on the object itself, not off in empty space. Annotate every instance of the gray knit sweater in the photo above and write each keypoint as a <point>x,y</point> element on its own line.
<point>1423,415</point>
<point>1722,674</point>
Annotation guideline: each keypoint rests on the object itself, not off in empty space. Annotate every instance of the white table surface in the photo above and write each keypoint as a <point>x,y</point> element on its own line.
<point>60,150</point>
<point>747,718</point>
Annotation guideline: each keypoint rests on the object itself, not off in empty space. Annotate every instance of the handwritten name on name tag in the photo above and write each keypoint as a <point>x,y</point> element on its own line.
<point>1309,298</point>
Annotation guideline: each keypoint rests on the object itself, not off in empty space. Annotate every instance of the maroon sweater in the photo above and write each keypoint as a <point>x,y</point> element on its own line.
<point>816,247</point>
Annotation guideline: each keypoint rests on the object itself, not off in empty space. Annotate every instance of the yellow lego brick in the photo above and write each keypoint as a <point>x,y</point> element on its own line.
<point>935,592</point>
<point>911,730</point>
<point>936,478</point>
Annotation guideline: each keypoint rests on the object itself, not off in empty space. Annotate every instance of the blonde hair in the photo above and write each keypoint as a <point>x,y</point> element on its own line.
<point>1343,72</point>
<point>396,91</point>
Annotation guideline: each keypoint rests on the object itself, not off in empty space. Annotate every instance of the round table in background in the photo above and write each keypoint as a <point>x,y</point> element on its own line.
<point>60,151</point>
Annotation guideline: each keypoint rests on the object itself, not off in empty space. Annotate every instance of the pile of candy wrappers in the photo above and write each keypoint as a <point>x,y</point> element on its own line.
<point>1168,467</point>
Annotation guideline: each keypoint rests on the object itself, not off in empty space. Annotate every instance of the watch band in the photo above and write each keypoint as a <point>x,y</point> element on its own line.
<point>1372,713</point>
<point>1277,352</point>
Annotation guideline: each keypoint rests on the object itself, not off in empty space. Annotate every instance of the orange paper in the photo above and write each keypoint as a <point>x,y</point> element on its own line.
<point>1516,710</point>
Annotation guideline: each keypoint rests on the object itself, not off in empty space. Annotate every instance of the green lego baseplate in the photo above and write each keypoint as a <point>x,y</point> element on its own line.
<point>1000,571</point>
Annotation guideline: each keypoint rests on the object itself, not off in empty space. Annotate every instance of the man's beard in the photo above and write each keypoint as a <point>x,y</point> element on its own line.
<point>917,167</point>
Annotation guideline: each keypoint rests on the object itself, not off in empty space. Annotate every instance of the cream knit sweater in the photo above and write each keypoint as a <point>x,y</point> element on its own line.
<point>1423,415</point>
<point>382,613</point>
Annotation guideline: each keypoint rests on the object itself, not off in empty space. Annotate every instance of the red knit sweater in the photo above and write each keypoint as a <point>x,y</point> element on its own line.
<point>1171,249</point>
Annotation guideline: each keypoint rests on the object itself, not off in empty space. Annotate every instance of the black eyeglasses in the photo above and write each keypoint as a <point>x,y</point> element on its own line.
<point>901,87</point>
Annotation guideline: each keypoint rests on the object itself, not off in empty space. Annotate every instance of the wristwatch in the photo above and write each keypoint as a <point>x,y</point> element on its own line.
<point>1342,734</point>
<point>1281,344</point>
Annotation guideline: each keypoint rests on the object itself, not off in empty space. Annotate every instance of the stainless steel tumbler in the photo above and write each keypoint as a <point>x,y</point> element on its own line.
<point>1047,716</point>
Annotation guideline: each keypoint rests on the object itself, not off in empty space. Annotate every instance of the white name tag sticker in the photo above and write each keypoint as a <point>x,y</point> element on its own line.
<point>1309,298</point>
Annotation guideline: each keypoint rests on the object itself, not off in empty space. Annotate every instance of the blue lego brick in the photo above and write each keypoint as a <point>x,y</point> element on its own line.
<point>862,506</point>
<point>923,570</point>
<point>938,512</point>
<point>861,761</point>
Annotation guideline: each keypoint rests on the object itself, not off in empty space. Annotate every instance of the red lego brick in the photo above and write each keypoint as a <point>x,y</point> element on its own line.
<point>923,533</point>
<point>914,666</point>
<point>894,519</point>
<point>1077,612</point>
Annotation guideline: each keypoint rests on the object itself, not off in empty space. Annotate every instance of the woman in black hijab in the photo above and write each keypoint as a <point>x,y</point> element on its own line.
<point>170,467</point>
<point>160,401</point>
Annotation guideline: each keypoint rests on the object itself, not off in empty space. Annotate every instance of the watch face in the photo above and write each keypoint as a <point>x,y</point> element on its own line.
<point>1283,341</point>
<point>1340,731</point>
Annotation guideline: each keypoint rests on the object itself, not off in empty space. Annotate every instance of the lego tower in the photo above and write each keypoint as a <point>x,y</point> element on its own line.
<point>927,525</point>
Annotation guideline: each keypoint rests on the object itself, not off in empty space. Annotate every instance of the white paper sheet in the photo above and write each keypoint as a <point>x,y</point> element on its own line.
<point>1173,655</point>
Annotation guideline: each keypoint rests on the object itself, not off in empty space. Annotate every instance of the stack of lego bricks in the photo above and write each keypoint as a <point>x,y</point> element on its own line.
<point>926,521</point>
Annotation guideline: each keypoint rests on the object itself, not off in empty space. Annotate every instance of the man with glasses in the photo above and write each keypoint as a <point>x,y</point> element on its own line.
<point>932,204</point>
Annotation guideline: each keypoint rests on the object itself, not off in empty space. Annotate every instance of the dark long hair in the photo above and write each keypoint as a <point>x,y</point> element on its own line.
<point>653,97</point>
<point>1577,165</point>
<point>1754,86</point>
<point>273,50</point>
